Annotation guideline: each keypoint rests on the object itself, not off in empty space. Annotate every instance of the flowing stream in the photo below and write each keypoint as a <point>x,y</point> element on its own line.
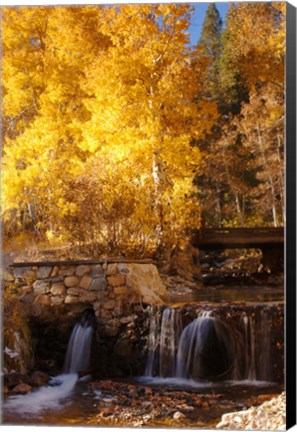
<point>60,388</point>
<point>208,350</point>
<point>206,353</point>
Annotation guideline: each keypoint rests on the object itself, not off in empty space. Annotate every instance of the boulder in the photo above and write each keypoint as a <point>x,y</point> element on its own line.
<point>39,379</point>
<point>184,261</point>
<point>145,282</point>
<point>22,389</point>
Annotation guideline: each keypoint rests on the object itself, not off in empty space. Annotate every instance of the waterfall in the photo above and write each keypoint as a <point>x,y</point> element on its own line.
<point>208,348</point>
<point>79,346</point>
<point>257,341</point>
<point>162,343</point>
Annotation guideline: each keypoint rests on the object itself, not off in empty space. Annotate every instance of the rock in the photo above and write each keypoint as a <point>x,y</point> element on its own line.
<point>98,284</point>
<point>71,299</point>
<point>39,379</point>
<point>57,300</point>
<point>146,283</point>
<point>85,296</point>
<point>22,389</point>
<point>29,276</point>
<point>116,280</point>
<point>41,287</point>
<point>127,320</point>
<point>71,281</point>
<point>43,272</point>
<point>13,379</point>
<point>205,266</point>
<point>111,331</point>
<point>55,271</point>
<point>27,298</point>
<point>68,271</point>
<point>26,290</point>
<point>121,290</point>
<point>112,269</point>
<point>58,289</point>
<point>123,348</point>
<point>43,300</point>
<point>178,415</point>
<point>7,275</point>
<point>85,282</point>
<point>185,262</point>
<point>97,270</point>
<point>73,291</point>
<point>82,269</point>
<point>111,304</point>
<point>268,416</point>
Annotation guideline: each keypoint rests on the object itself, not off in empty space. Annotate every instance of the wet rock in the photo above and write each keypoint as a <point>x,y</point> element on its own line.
<point>22,389</point>
<point>178,415</point>
<point>111,331</point>
<point>39,379</point>
<point>13,379</point>
<point>123,348</point>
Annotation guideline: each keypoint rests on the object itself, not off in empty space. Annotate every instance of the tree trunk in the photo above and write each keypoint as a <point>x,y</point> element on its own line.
<point>270,181</point>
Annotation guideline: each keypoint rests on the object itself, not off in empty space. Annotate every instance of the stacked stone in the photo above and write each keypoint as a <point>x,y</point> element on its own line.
<point>102,285</point>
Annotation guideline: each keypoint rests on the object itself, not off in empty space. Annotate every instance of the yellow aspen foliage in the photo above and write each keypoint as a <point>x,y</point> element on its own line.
<point>100,111</point>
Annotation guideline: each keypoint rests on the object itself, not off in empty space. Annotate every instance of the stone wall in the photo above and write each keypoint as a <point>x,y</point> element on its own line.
<point>104,286</point>
<point>55,294</point>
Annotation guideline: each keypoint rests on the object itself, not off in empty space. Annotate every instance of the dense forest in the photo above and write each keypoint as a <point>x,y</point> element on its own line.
<point>117,132</point>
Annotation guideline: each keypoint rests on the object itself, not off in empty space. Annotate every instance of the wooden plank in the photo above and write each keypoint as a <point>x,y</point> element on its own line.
<point>83,262</point>
<point>239,237</point>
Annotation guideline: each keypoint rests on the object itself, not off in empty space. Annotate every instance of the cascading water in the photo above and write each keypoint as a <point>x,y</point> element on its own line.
<point>208,348</point>
<point>79,348</point>
<point>257,343</point>
<point>163,341</point>
<point>60,387</point>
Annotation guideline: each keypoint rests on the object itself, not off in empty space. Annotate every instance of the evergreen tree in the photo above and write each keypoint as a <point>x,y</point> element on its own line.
<point>210,46</point>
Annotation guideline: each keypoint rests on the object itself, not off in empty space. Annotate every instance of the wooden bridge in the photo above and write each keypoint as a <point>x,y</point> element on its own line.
<point>269,240</point>
<point>231,238</point>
